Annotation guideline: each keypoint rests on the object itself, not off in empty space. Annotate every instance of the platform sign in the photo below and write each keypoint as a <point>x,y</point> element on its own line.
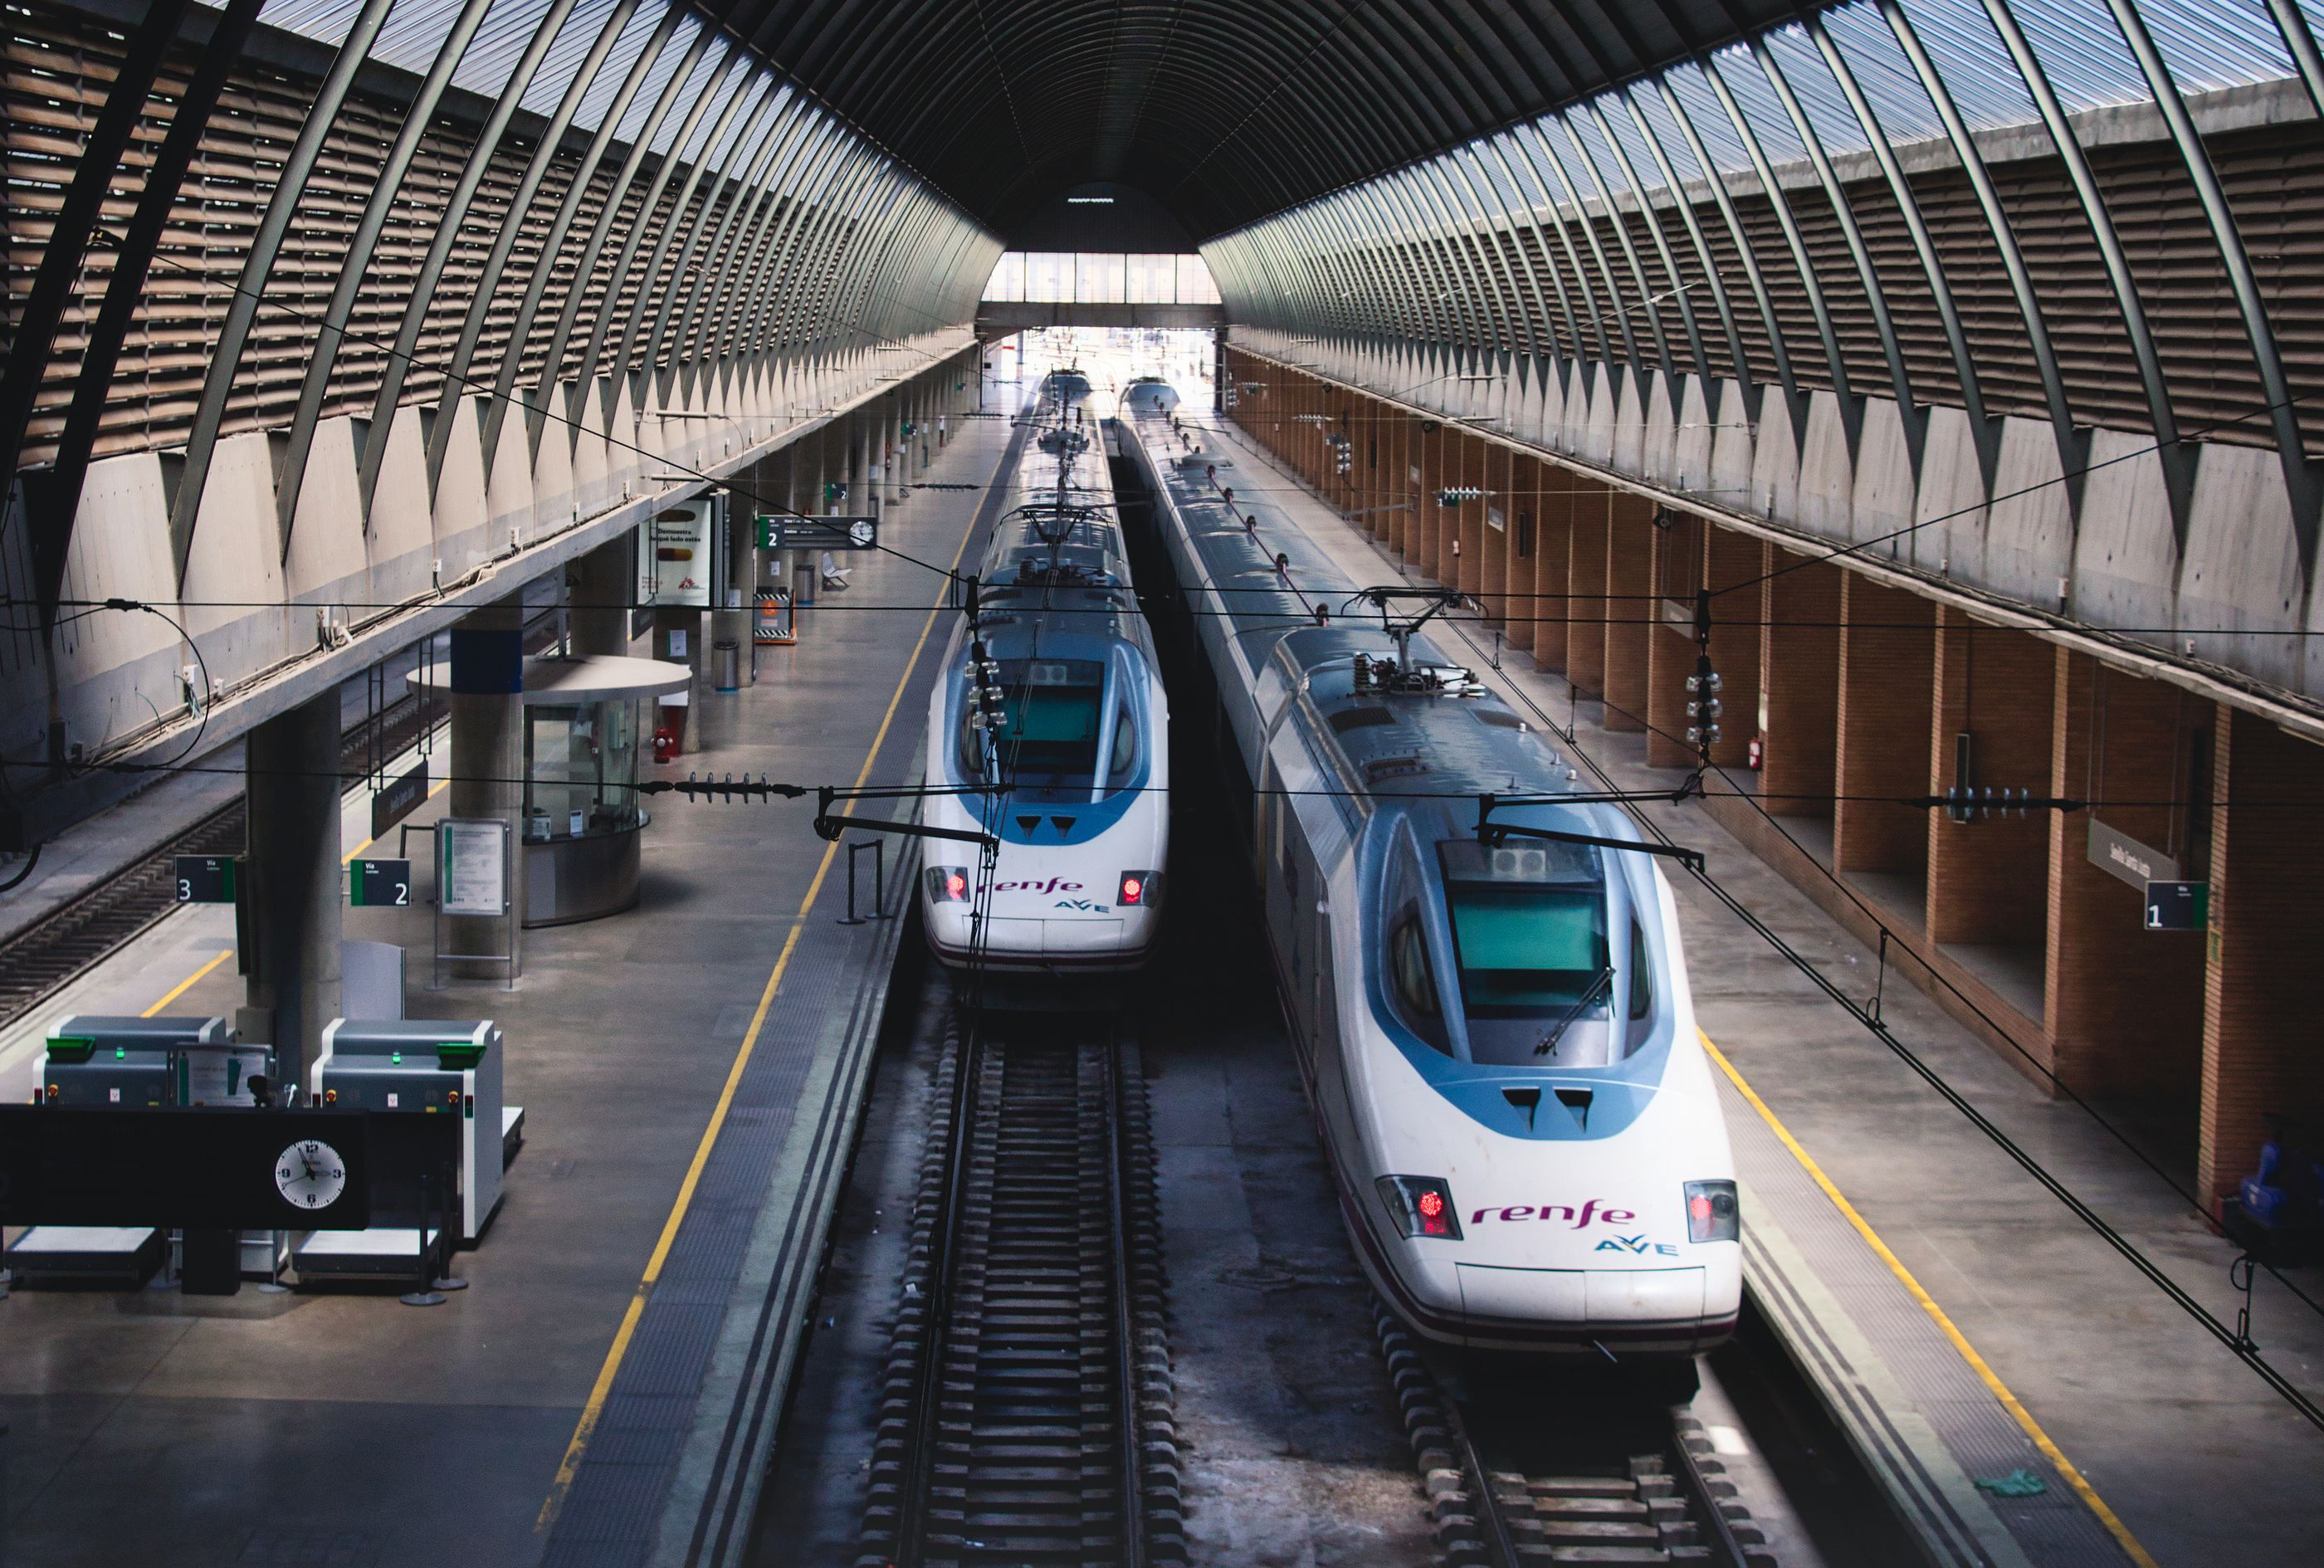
<point>379,883</point>
<point>206,879</point>
<point>818,533</point>
<point>2178,906</point>
<point>392,804</point>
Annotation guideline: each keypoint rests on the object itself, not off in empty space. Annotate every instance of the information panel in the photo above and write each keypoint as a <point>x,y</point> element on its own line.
<point>818,533</point>
<point>472,865</point>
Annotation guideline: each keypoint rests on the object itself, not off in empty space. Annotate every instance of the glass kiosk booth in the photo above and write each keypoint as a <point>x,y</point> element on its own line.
<point>586,721</point>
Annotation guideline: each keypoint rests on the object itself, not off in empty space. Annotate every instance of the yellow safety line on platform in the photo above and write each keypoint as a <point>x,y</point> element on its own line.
<point>604,1386</point>
<point>1977,1363</point>
<point>186,984</point>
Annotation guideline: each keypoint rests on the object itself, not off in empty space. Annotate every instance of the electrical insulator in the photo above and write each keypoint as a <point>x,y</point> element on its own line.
<point>1702,705</point>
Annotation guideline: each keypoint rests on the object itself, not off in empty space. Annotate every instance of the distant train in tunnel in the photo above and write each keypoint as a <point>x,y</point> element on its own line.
<point>1492,1015</point>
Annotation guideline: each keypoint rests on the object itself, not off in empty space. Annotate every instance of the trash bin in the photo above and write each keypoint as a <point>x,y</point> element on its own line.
<point>727,665</point>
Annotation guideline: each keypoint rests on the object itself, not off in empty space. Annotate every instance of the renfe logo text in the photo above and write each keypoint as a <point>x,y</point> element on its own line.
<point>1054,885</point>
<point>1589,1213</point>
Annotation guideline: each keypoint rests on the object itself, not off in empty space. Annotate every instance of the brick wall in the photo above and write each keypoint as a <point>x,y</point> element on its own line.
<point>1733,566</point>
<point>1552,568</point>
<point>1524,500</point>
<point>1800,650</point>
<point>2264,984</point>
<point>1585,575</point>
<point>1886,679</point>
<point>1630,582</point>
<point>1988,877</point>
<point>2124,1005</point>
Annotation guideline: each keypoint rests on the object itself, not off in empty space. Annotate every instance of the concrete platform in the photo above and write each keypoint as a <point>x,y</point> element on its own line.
<point>1962,1320</point>
<point>604,1392</point>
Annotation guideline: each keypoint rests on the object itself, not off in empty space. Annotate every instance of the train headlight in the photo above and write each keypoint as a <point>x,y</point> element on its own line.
<point>948,884</point>
<point>1713,1215</point>
<point>1139,889</point>
<point>1421,1206</point>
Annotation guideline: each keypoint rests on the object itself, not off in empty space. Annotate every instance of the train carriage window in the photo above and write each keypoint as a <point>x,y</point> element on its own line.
<point>1642,973</point>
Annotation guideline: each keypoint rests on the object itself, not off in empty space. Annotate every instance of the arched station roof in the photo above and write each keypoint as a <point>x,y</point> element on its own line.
<point>1225,109</point>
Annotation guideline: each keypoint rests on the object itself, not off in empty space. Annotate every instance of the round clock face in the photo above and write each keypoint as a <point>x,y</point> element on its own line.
<point>861,531</point>
<point>311,1175</point>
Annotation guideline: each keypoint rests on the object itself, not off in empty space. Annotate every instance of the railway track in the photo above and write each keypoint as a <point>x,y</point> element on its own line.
<point>1566,1467</point>
<point>44,956</point>
<point>1026,1413</point>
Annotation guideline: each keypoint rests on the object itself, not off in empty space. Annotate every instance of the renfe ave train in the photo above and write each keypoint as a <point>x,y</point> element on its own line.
<point>1491,1013</point>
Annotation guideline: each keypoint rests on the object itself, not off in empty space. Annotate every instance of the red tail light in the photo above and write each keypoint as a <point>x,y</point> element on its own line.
<point>948,884</point>
<point>1713,1212</point>
<point>1138,890</point>
<point>1420,1206</point>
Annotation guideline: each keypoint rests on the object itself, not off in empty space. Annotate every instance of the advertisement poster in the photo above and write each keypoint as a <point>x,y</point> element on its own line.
<point>678,545</point>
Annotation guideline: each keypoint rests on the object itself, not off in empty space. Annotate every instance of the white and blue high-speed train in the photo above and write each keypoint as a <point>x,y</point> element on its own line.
<point>1495,1028</point>
<point>1048,728</point>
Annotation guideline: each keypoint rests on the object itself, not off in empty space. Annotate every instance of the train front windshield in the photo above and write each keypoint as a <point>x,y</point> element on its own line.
<point>1536,972</point>
<point>1054,727</point>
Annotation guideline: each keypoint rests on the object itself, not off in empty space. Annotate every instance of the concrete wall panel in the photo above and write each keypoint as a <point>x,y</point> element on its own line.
<point>236,563</point>
<point>1658,440</point>
<point>1880,501</point>
<point>2242,567</point>
<point>508,483</point>
<point>463,534</point>
<point>1734,448</point>
<point>2029,535</point>
<point>125,665</point>
<point>402,537</point>
<point>2126,558</point>
<point>1824,498</point>
<point>1950,506</point>
<point>326,561</point>
<point>1691,442</point>
<point>1774,481</point>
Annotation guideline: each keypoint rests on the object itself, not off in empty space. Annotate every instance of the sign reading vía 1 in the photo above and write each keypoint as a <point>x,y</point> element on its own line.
<point>2171,904</point>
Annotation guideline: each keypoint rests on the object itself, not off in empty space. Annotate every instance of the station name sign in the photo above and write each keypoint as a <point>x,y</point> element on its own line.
<point>2120,855</point>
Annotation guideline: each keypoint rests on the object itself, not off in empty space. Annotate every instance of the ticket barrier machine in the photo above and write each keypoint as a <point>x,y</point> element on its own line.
<point>419,1067</point>
<point>102,1061</point>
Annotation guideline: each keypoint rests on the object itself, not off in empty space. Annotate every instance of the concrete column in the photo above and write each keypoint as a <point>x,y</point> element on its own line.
<point>1629,611</point>
<point>2114,736</point>
<point>1800,693</point>
<point>1585,577</point>
<point>2262,988</point>
<point>1988,878</point>
<point>295,902</point>
<point>599,587</point>
<point>487,735</point>
<point>1886,680</point>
